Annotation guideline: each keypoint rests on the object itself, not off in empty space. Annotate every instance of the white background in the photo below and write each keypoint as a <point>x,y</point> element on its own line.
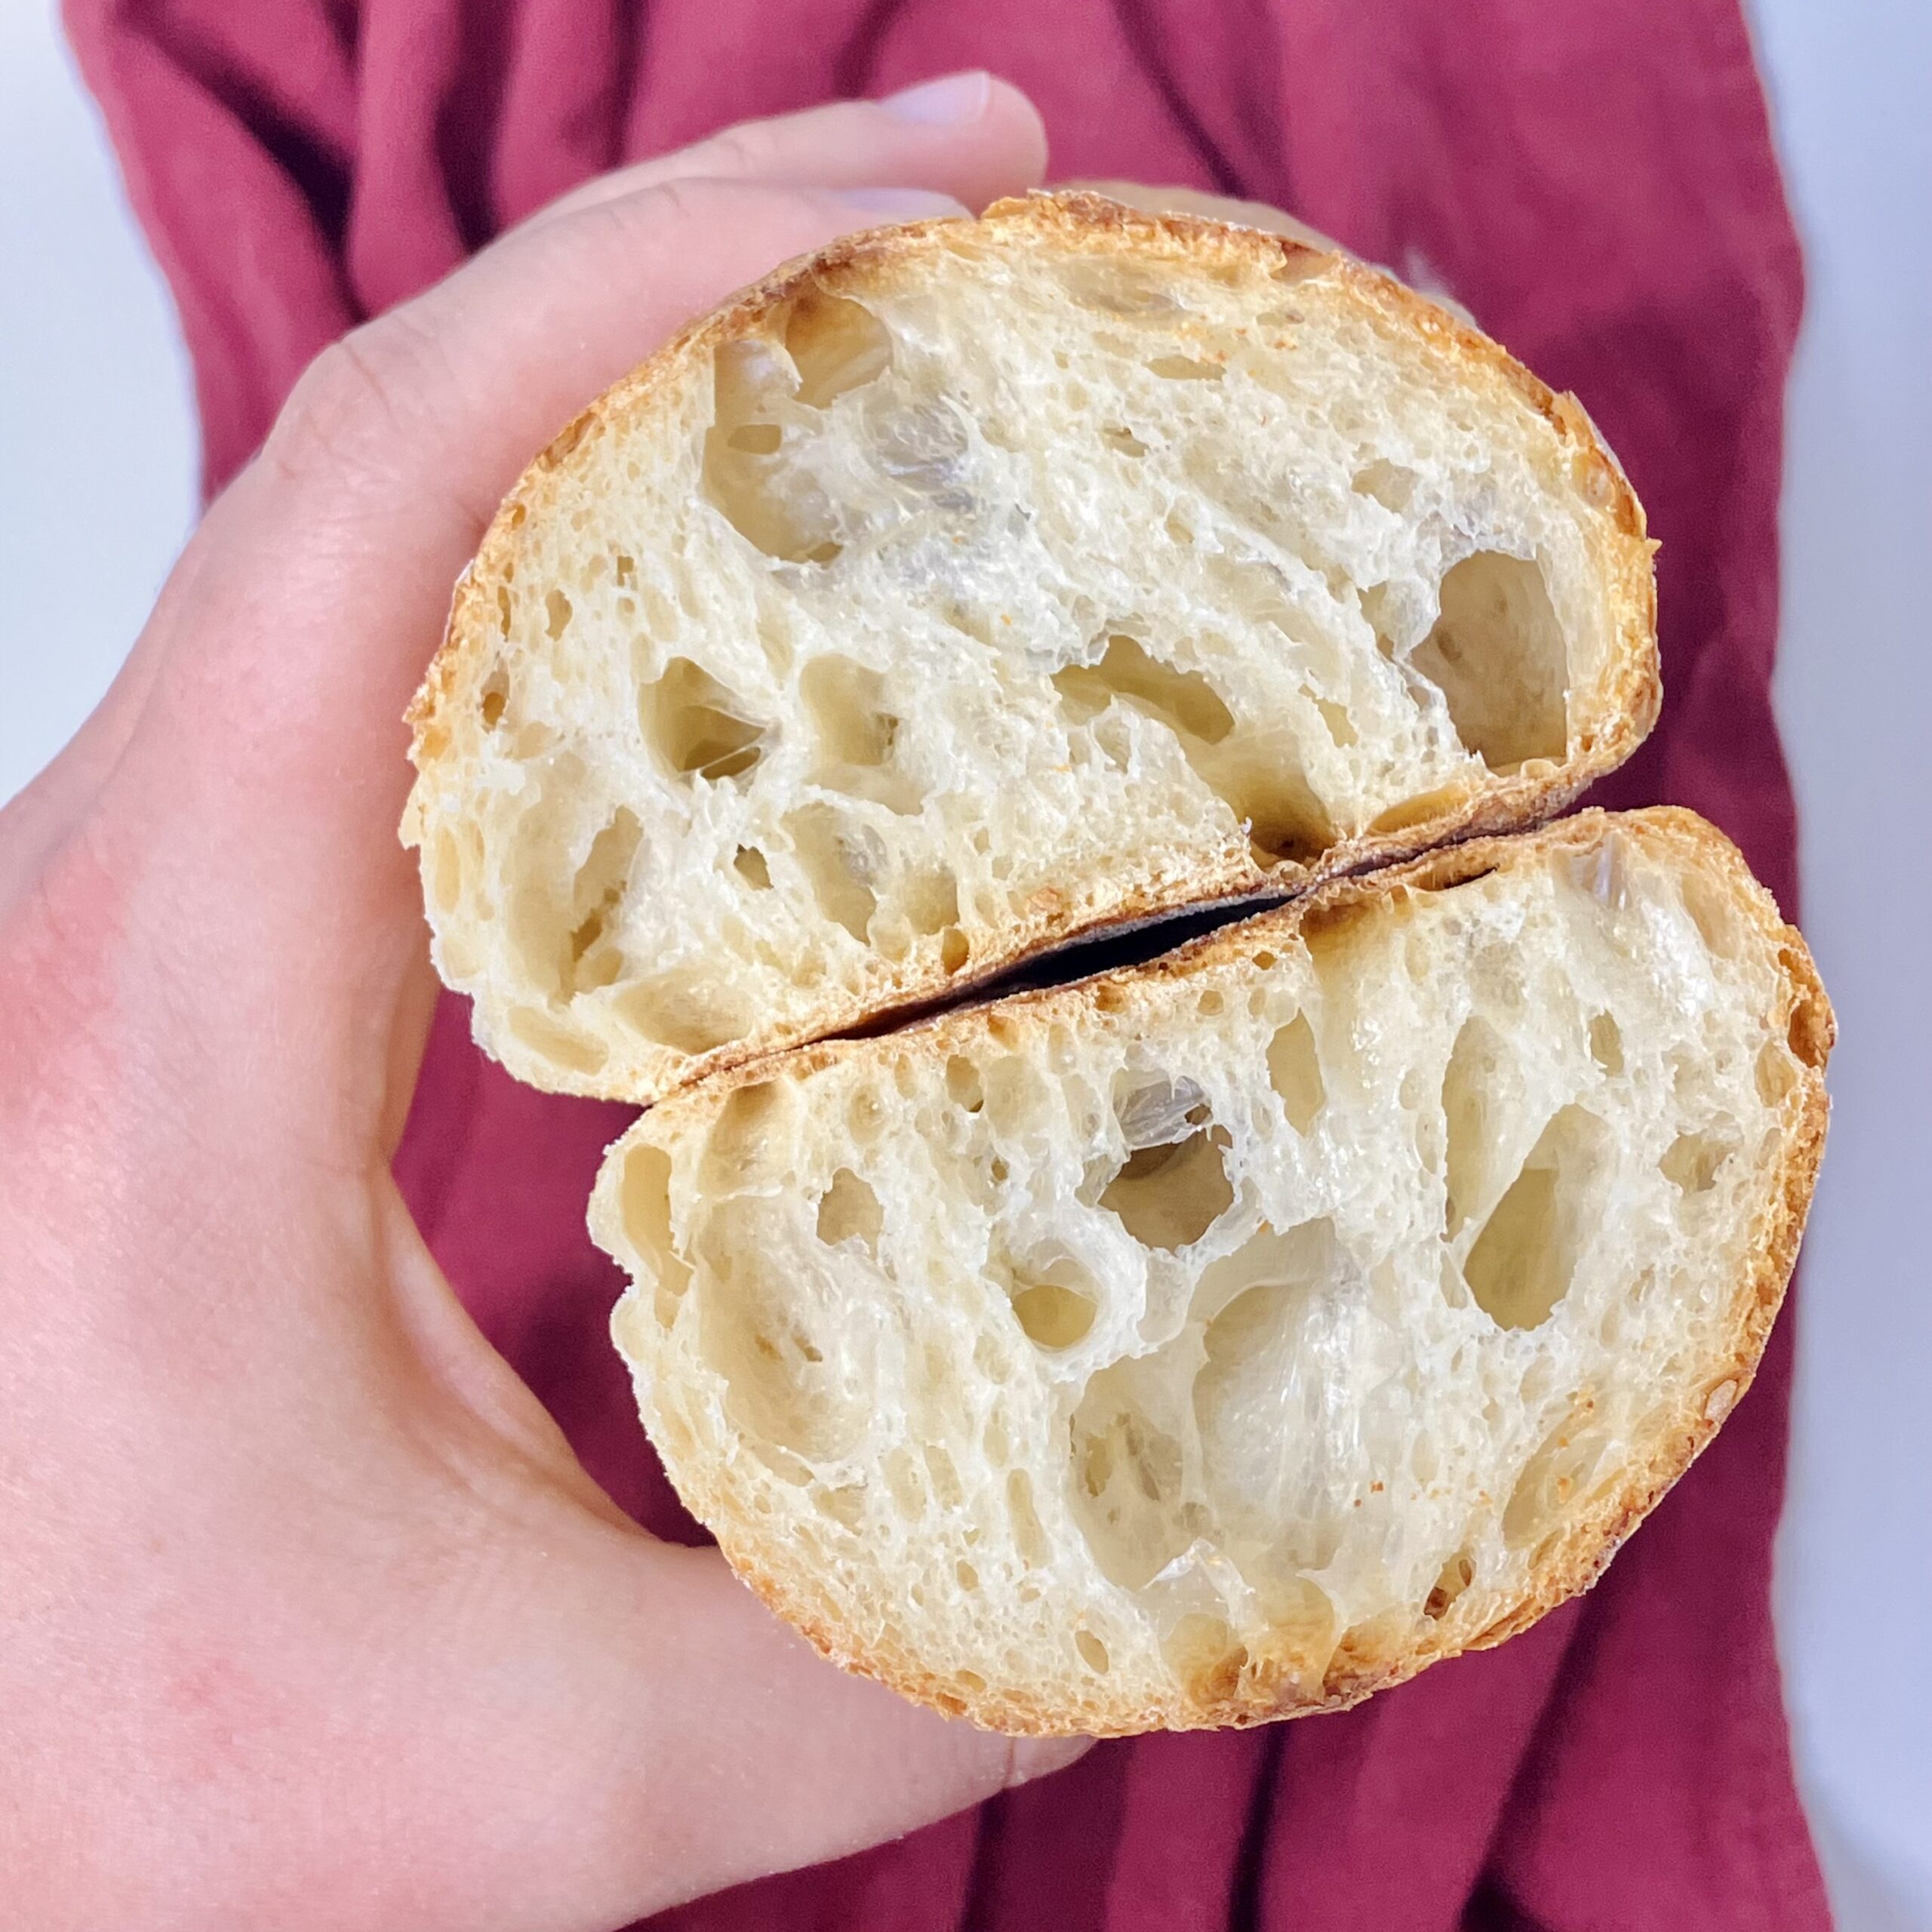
<point>97,491</point>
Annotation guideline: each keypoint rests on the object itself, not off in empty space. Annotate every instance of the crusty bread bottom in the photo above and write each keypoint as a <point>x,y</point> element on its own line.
<point>1228,1338</point>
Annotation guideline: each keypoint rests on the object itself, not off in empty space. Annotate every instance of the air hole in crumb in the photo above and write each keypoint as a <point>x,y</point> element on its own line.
<point>963,1085</point>
<point>1299,262</point>
<point>1202,1651</point>
<point>1263,1412</point>
<point>849,1211</point>
<point>1115,288</point>
<point>1335,718</point>
<point>1184,701</point>
<point>766,493</point>
<point>1124,441</point>
<point>1552,1480</point>
<point>1056,1307</point>
<point>1153,1109</point>
<point>856,732</point>
<point>1185,369</point>
<point>840,862</point>
<point>593,957</point>
<point>681,1011</point>
<point>1168,1197</point>
<point>698,726</point>
<point>1127,1480</point>
<point>1029,1537</point>
<point>1808,1032</point>
<point>835,345</point>
<point>1457,1576</point>
<point>1257,774</point>
<point>756,1324</point>
<point>644,1208</point>
<point>1389,483</point>
<point>1692,1161</point>
<point>496,695</point>
<point>1093,1652</point>
<point>865,1116</point>
<point>1497,654</point>
<point>945,1474</point>
<point>1417,810</point>
<point>1719,1402</point>
<point>749,863</point>
<point>1606,1043</point>
<point>1480,1089</point>
<point>557,611</point>
<point>1776,1077</point>
<point>930,902</point>
<point>954,950</point>
<point>1523,1261</point>
<point>446,868</point>
<point>1294,1071</point>
<point>968,1577</point>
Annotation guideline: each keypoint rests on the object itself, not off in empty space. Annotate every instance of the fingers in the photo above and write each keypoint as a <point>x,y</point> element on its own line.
<point>786,1761</point>
<point>698,1742</point>
<point>968,135</point>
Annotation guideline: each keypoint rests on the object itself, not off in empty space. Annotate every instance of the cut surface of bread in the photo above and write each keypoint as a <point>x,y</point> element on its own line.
<point>977,583</point>
<point>1225,1338</point>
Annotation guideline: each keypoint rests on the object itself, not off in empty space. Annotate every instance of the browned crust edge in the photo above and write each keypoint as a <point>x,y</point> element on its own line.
<point>1572,1564</point>
<point>1608,732</point>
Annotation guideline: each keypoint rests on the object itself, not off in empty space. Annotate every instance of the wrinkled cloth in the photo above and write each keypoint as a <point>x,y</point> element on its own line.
<point>1597,183</point>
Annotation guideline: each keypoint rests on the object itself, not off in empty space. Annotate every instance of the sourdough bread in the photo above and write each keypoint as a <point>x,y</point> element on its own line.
<point>976,584</point>
<point>1230,1337</point>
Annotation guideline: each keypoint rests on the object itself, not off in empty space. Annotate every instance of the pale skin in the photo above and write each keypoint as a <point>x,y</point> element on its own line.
<point>309,1617</point>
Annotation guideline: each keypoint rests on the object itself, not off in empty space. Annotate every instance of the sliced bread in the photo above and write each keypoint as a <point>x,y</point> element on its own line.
<point>1227,1337</point>
<point>976,584</point>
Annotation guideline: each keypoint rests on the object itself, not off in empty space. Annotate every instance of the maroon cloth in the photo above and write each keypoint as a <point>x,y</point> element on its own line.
<point>1596,179</point>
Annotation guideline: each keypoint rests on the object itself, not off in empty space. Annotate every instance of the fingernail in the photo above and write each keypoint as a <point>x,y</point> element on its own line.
<point>902,203</point>
<point>943,102</point>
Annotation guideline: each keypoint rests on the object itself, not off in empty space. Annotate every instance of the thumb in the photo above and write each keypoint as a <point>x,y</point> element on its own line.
<point>683,1741</point>
<point>786,1760</point>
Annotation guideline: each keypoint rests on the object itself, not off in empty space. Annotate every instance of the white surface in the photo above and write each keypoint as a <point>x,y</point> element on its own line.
<point>98,453</point>
<point>1850,83</point>
<point>98,456</point>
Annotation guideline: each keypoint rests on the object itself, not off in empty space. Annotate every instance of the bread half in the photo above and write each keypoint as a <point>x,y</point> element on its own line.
<point>975,584</point>
<point>1228,1337</point>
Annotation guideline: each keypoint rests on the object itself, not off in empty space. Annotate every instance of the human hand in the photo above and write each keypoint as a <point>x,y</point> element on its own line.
<point>307,1616</point>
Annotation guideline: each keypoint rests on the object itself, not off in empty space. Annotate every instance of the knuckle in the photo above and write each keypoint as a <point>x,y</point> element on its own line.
<point>681,199</point>
<point>350,403</point>
<point>745,150</point>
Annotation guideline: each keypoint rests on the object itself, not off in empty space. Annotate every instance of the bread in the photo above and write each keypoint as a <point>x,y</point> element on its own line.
<point>1228,1336</point>
<point>1225,1337</point>
<point>973,585</point>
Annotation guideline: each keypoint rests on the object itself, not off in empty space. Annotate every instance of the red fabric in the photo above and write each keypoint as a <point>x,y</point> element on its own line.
<point>1597,181</point>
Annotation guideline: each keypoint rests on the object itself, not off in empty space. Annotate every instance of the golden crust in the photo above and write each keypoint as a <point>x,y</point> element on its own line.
<point>1604,732</point>
<point>1571,1563</point>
